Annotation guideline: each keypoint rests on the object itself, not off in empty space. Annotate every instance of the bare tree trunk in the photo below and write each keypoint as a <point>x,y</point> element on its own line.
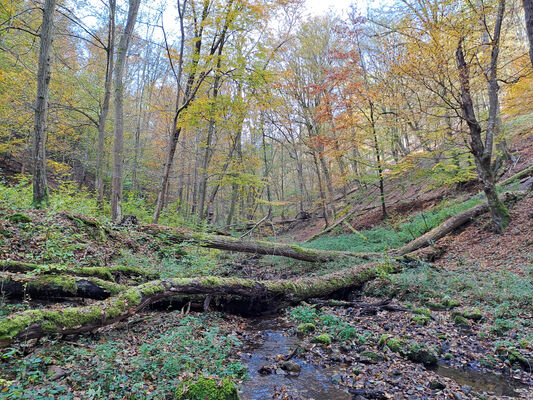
<point>210,132</point>
<point>100,151</point>
<point>118,146</point>
<point>321,191</point>
<point>40,187</point>
<point>379,162</point>
<point>528,12</point>
<point>482,151</point>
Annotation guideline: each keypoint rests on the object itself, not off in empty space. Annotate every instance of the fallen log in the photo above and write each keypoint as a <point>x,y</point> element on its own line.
<point>18,286</point>
<point>247,246</point>
<point>112,273</point>
<point>450,225</point>
<point>257,295</point>
<point>519,175</point>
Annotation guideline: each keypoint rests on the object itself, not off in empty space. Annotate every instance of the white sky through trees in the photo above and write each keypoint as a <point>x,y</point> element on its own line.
<point>320,7</point>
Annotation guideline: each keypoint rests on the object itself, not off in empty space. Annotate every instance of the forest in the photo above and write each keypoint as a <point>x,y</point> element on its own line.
<point>266,199</point>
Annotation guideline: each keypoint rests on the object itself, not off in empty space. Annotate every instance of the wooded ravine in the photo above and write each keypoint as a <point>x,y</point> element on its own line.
<point>266,199</point>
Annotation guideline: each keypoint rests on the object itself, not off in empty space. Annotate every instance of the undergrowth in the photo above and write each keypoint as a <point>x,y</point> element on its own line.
<point>394,233</point>
<point>173,350</point>
<point>68,197</point>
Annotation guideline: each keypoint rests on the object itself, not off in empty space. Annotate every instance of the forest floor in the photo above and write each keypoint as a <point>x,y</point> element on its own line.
<point>470,312</point>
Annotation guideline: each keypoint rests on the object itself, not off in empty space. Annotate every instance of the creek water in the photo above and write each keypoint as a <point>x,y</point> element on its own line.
<point>315,382</point>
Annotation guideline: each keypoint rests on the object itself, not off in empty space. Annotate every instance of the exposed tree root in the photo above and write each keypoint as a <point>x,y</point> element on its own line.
<point>259,295</point>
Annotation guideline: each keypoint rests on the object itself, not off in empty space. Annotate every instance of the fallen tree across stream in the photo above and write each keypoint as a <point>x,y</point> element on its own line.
<point>257,296</point>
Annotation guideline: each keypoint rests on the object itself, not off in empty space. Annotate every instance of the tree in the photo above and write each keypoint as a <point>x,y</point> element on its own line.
<point>528,13</point>
<point>483,149</point>
<point>110,50</point>
<point>40,188</point>
<point>118,145</point>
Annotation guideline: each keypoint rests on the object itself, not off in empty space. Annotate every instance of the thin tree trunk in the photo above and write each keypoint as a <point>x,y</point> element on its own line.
<point>118,146</point>
<point>321,190</point>
<point>379,163</point>
<point>528,13</point>
<point>100,151</point>
<point>40,187</point>
<point>210,133</point>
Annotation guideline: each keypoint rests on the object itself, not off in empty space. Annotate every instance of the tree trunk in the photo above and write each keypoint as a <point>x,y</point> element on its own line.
<point>40,187</point>
<point>118,145</point>
<point>379,164</point>
<point>100,151</point>
<point>482,151</point>
<point>247,246</point>
<point>450,225</point>
<point>256,297</point>
<point>44,287</point>
<point>528,13</point>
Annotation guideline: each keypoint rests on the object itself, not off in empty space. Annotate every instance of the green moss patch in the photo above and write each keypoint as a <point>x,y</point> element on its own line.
<point>322,339</point>
<point>206,388</point>
<point>305,329</point>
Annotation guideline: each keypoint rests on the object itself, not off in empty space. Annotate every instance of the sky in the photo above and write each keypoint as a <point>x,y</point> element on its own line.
<point>320,7</point>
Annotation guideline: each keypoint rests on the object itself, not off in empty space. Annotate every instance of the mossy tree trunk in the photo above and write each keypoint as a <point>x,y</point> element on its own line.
<point>46,287</point>
<point>258,295</point>
<point>247,246</point>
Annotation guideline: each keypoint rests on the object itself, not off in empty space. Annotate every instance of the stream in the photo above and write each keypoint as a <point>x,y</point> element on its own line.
<point>313,382</point>
<point>317,383</point>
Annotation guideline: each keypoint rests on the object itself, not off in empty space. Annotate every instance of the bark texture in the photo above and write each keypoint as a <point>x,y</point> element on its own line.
<point>45,287</point>
<point>40,187</point>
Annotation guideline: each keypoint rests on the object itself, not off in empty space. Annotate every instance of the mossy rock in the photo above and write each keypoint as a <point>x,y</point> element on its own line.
<point>420,353</point>
<point>421,320</point>
<point>474,314</point>
<point>422,311</point>
<point>305,329</point>
<point>394,344</point>
<point>322,339</point>
<point>206,388</point>
<point>19,218</point>
<point>450,303</point>
<point>461,321</point>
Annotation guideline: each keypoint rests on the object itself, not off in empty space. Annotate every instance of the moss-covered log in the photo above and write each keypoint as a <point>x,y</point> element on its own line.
<point>53,286</point>
<point>263,295</point>
<point>522,174</point>
<point>112,273</point>
<point>247,246</point>
<point>450,225</point>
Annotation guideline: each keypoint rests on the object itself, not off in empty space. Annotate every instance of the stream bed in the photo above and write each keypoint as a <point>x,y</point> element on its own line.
<point>318,383</point>
<point>313,382</point>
